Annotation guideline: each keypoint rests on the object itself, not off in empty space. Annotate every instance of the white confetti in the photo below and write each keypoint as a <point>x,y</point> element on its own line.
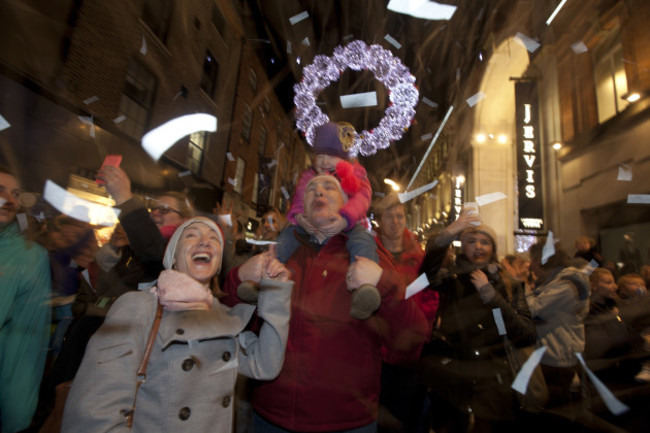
<point>530,44</point>
<point>91,100</point>
<point>612,403</point>
<point>427,136</point>
<point>86,276</point>
<point>40,217</point>
<point>78,208</point>
<point>624,173</point>
<point>285,193</point>
<point>367,99</point>
<point>520,384</point>
<point>86,120</point>
<point>579,47</point>
<point>230,157</point>
<point>490,198</point>
<point>428,10</point>
<point>429,102</point>
<point>590,267</point>
<point>288,47</point>
<point>406,196</point>
<point>184,173</point>
<point>417,286</point>
<point>92,131</point>
<point>225,219</point>
<point>305,42</point>
<point>256,242</point>
<point>347,37</point>
<point>299,17</point>
<point>638,198</point>
<point>232,181</point>
<point>272,163</point>
<point>391,40</point>
<point>4,124</point>
<point>120,118</point>
<point>498,320</point>
<point>475,99</point>
<point>158,140</point>
<point>548,250</point>
<point>143,48</point>
<point>22,221</point>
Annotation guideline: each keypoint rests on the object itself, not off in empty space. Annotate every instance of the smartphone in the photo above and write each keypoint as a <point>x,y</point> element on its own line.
<point>113,160</point>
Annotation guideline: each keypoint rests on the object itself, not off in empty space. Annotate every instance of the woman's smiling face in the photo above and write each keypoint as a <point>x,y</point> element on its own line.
<point>198,253</point>
<point>478,248</point>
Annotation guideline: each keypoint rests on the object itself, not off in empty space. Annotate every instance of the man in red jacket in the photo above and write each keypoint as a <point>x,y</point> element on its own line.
<point>402,396</point>
<point>330,380</point>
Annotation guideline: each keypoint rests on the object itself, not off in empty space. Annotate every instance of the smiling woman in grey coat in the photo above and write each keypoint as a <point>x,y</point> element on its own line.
<point>199,349</point>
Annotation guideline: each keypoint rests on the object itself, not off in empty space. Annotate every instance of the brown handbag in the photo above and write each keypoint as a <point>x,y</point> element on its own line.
<point>141,375</point>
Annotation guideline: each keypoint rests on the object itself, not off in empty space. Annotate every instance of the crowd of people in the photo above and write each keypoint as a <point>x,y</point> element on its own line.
<point>312,328</point>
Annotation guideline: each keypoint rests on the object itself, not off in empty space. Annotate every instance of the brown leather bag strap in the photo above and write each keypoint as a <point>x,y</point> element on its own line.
<point>141,376</point>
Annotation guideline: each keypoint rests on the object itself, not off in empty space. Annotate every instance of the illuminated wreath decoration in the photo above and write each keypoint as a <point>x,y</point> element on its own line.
<point>386,68</point>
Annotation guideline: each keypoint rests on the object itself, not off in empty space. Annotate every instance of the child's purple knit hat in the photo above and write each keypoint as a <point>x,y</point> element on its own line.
<point>335,139</point>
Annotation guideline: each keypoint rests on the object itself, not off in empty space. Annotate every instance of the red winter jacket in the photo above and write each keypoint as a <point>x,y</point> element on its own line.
<point>331,374</point>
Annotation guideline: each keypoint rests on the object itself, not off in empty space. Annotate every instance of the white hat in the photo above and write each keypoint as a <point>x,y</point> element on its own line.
<point>170,251</point>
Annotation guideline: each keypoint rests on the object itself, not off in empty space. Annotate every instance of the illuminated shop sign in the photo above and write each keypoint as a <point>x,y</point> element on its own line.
<point>529,159</point>
<point>458,196</point>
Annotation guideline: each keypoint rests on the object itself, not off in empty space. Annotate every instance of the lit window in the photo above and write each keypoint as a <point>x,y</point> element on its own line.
<point>137,99</point>
<point>195,151</point>
<point>210,73</point>
<point>611,83</point>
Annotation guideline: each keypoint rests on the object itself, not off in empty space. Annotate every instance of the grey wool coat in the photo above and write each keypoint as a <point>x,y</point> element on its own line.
<point>192,369</point>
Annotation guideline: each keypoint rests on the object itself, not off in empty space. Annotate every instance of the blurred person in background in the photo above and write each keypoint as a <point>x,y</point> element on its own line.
<point>148,230</point>
<point>402,395</point>
<point>24,313</point>
<point>586,249</point>
<point>467,367</point>
<point>559,304</point>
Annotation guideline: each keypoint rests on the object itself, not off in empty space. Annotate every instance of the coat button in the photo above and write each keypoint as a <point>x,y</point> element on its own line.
<point>226,401</point>
<point>184,413</point>
<point>226,356</point>
<point>188,364</point>
<point>180,331</point>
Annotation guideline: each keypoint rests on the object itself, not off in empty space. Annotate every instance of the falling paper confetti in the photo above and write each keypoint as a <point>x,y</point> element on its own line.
<point>612,403</point>
<point>427,10</point>
<point>489,198</point>
<point>288,47</point>
<point>184,173</point>
<point>143,48</point>
<point>391,40</point>
<point>305,42</point>
<point>520,384</point>
<point>297,18</point>
<point>347,37</point>
<point>579,47</point>
<point>78,208</point>
<point>3,123</point>
<point>638,198</point>
<point>256,242</point>
<point>92,131</point>
<point>474,99</point>
<point>406,196</point>
<point>429,102</point>
<point>285,193</point>
<point>530,44</point>
<point>624,172</point>
<point>548,250</point>
<point>367,99</point>
<point>22,221</point>
<point>230,157</point>
<point>87,120</point>
<point>158,140</point>
<point>232,181</point>
<point>426,136</point>
<point>498,320</point>
<point>91,100</point>
<point>120,118</point>
<point>225,219</point>
<point>417,286</point>
<point>271,164</point>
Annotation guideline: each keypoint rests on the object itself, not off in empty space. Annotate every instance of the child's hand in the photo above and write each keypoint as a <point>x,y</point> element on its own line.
<point>336,225</point>
<point>306,224</point>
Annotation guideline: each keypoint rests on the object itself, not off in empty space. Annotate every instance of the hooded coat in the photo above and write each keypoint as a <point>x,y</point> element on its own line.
<point>193,366</point>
